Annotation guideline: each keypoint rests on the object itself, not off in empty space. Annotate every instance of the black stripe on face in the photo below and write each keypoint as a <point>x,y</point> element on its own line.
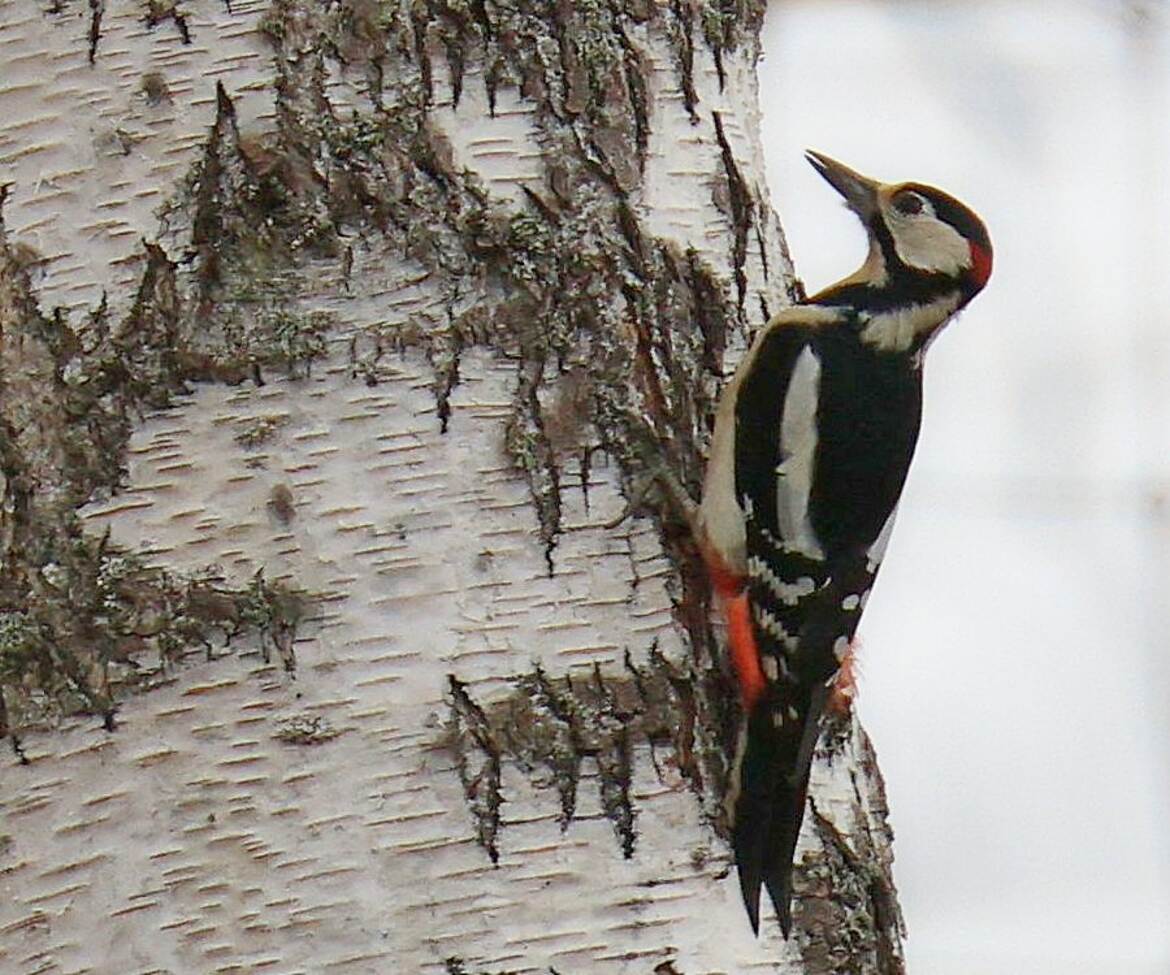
<point>904,288</point>
<point>901,287</point>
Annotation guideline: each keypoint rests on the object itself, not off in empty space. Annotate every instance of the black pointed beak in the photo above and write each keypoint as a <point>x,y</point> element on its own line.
<point>860,192</point>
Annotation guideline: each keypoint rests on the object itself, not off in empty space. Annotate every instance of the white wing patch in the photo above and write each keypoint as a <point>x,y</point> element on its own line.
<point>721,515</point>
<point>798,447</point>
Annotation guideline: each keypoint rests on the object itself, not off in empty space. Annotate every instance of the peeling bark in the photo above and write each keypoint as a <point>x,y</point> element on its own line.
<point>432,288</point>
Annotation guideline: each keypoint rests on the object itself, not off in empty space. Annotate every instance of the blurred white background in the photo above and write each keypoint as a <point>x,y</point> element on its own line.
<point>1016,654</point>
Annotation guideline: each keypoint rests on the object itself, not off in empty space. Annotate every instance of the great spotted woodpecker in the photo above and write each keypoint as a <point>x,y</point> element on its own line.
<point>813,440</point>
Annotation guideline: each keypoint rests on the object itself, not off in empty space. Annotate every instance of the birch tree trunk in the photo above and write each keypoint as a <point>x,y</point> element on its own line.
<point>334,336</point>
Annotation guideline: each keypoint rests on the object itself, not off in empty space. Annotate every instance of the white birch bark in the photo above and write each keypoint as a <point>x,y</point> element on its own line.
<point>462,725</point>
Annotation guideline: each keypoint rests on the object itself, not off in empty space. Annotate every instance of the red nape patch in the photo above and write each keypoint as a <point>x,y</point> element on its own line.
<point>980,263</point>
<point>745,655</point>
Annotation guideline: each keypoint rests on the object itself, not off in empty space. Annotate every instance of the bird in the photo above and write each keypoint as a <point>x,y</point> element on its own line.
<point>813,439</point>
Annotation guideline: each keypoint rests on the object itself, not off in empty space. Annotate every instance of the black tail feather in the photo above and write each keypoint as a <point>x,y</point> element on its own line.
<point>750,878</point>
<point>773,784</point>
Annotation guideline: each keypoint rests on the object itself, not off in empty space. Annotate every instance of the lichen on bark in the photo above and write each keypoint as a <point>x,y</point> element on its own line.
<point>614,335</point>
<point>550,727</point>
<point>569,283</point>
<point>82,621</point>
<point>617,334</point>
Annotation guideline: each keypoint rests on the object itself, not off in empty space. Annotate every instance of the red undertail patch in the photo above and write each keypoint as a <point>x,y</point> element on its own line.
<point>741,638</point>
<point>745,655</point>
<point>726,583</point>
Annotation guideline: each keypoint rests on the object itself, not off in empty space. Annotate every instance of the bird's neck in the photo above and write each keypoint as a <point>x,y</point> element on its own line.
<point>907,327</point>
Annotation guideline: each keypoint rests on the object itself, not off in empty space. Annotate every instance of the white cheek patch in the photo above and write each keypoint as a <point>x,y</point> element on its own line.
<point>928,244</point>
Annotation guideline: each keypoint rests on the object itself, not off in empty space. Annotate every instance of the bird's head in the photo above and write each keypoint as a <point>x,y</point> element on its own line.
<point>918,235</point>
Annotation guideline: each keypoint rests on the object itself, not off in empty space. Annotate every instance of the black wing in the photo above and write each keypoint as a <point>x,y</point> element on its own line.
<point>825,429</point>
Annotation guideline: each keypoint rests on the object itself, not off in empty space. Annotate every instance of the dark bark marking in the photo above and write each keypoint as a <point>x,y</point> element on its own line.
<point>478,760</point>
<point>448,372</point>
<point>529,445</point>
<point>96,9</point>
<point>709,312</point>
<point>562,751</point>
<point>556,725</point>
<point>615,763</point>
<point>685,41</point>
<point>846,905</point>
<point>159,10</point>
<point>760,226</point>
<point>742,210</point>
<point>420,20</point>
<point>635,77</point>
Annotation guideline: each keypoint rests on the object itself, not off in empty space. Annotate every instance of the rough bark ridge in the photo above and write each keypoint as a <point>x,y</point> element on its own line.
<point>439,283</point>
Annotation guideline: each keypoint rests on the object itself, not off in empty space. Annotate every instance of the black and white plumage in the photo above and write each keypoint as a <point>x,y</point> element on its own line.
<point>813,441</point>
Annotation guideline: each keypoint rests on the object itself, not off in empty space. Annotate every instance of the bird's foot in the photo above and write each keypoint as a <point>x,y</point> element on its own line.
<point>844,689</point>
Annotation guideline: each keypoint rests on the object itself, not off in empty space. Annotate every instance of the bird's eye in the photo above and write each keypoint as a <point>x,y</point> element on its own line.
<point>909,203</point>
